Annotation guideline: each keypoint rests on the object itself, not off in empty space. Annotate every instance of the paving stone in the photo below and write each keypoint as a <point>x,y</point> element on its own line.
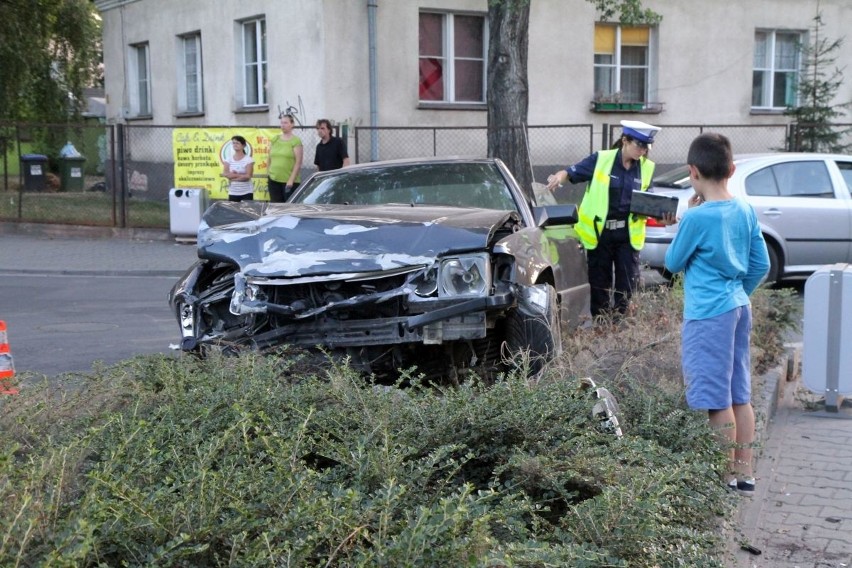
<point>805,484</point>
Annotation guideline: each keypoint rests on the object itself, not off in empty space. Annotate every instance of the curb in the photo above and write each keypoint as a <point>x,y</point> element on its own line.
<point>774,384</point>
<point>81,231</point>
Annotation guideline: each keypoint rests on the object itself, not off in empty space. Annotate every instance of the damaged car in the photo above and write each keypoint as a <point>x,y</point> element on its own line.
<point>439,264</point>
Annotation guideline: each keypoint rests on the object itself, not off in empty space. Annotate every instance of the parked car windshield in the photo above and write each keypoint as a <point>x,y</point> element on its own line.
<point>677,178</point>
<point>461,185</point>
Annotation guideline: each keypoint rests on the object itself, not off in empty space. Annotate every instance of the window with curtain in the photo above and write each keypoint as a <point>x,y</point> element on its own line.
<point>622,63</point>
<point>190,91</point>
<point>254,62</point>
<point>777,61</point>
<point>140,80</point>
<point>452,57</point>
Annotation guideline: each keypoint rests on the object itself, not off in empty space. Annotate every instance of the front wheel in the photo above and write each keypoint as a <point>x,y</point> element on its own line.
<point>534,328</point>
<point>774,265</point>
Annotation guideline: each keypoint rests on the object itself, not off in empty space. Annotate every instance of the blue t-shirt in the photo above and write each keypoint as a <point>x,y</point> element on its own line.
<point>721,250</point>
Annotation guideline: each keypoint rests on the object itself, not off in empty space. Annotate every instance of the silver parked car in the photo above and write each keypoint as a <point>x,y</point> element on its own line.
<point>802,201</point>
<point>440,263</point>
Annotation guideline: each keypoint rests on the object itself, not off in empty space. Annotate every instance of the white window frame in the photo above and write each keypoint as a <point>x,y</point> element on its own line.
<point>769,72</point>
<point>139,79</point>
<point>449,57</point>
<point>259,27</point>
<point>617,67</point>
<point>190,82</point>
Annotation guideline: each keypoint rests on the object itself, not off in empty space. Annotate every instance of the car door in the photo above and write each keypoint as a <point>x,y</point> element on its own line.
<point>797,200</point>
<point>843,185</point>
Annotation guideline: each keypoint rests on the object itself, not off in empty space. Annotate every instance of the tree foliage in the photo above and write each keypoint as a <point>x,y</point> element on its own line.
<point>508,87</point>
<point>818,86</point>
<point>50,51</point>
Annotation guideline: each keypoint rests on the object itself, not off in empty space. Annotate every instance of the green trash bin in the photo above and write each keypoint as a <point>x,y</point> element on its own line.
<point>71,173</point>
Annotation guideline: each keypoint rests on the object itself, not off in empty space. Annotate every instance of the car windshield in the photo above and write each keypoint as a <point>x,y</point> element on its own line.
<point>458,184</point>
<point>677,178</point>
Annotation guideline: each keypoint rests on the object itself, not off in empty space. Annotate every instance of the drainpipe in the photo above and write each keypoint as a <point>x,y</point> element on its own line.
<point>372,5</point>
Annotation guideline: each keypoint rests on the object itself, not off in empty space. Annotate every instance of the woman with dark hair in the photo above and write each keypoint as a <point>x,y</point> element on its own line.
<point>239,168</point>
<point>611,234</point>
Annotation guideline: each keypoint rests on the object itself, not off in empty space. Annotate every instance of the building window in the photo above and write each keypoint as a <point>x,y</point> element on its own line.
<point>190,91</point>
<point>452,58</point>
<point>254,63</point>
<point>140,80</point>
<point>777,59</point>
<point>622,63</point>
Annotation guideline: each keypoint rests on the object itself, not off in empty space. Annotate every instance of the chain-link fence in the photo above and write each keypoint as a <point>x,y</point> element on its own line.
<point>672,143</point>
<point>57,173</point>
<point>549,145</point>
<point>835,138</point>
<point>124,174</point>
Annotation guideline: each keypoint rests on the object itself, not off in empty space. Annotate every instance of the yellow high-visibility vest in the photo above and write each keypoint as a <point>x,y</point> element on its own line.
<point>595,204</point>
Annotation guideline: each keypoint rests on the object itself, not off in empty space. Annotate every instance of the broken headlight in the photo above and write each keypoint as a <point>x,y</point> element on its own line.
<point>468,275</point>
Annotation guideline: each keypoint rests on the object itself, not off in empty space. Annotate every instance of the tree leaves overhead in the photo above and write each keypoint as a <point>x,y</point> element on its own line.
<point>50,51</point>
<point>628,12</point>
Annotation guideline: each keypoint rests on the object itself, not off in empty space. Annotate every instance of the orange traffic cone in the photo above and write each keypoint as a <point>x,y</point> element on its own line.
<point>7,365</point>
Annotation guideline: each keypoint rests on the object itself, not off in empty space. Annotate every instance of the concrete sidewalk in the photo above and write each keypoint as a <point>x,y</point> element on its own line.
<point>801,513</point>
<point>81,251</point>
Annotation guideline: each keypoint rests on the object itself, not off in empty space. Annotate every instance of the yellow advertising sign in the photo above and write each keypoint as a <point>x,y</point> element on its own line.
<point>199,156</point>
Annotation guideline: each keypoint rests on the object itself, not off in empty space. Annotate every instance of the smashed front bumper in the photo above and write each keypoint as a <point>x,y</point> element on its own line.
<point>344,321</point>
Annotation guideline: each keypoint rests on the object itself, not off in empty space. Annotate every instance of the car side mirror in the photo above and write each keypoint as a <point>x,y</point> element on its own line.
<point>555,215</point>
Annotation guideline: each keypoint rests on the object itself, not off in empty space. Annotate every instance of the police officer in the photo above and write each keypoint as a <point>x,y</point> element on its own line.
<point>612,235</point>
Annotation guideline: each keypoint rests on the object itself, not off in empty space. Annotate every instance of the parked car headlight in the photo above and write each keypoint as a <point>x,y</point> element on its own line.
<point>468,275</point>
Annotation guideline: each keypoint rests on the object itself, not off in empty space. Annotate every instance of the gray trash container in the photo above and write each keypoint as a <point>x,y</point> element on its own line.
<point>185,209</point>
<point>34,168</point>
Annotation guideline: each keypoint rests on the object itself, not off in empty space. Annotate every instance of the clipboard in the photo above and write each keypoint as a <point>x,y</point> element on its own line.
<point>652,204</point>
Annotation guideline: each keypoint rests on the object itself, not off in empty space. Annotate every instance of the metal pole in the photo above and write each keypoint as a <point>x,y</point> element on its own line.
<point>372,5</point>
<point>835,302</point>
<point>20,174</point>
<point>122,177</point>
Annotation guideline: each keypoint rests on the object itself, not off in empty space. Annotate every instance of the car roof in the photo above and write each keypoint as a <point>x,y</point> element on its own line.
<point>764,158</point>
<point>788,156</point>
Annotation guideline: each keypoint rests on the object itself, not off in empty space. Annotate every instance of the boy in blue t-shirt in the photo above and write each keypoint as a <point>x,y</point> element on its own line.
<point>720,248</point>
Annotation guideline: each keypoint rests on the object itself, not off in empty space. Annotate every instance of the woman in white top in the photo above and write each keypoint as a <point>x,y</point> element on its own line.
<point>239,169</point>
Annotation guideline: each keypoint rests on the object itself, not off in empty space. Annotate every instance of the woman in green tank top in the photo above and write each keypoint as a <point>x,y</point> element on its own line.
<point>285,162</point>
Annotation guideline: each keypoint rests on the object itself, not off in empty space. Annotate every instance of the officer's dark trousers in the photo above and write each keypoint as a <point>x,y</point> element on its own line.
<point>613,260</point>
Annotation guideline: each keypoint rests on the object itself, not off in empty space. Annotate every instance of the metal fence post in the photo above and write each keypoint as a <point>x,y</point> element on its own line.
<point>122,175</point>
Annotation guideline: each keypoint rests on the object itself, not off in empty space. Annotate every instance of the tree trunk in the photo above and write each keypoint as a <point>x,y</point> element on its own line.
<point>508,89</point>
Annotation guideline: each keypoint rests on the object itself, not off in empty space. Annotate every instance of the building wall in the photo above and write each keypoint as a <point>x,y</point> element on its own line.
<point>318,53</point>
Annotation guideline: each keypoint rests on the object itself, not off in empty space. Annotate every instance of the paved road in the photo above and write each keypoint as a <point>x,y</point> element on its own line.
<point>70,301</point>
<point>58,323</point>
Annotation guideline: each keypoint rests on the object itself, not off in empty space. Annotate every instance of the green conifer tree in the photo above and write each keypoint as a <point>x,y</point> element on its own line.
<point>814,129</point>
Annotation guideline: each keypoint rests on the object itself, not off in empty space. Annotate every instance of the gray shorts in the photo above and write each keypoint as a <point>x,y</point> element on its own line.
<point>716,360</point>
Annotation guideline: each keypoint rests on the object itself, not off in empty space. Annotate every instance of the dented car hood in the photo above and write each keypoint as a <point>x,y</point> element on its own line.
<point>298,240</point>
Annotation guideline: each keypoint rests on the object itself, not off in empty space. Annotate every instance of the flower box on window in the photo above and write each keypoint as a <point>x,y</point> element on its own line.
<point>605,106</point>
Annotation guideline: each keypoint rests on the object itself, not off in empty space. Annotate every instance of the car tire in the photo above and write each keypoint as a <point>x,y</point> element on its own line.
<point>536,337</point>
<point>774,265</point>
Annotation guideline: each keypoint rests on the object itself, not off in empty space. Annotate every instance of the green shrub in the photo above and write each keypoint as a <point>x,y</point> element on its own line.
<point>272,460</point>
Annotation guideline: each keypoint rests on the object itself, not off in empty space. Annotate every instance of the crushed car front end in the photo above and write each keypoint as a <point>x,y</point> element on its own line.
<point>391,289</point>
